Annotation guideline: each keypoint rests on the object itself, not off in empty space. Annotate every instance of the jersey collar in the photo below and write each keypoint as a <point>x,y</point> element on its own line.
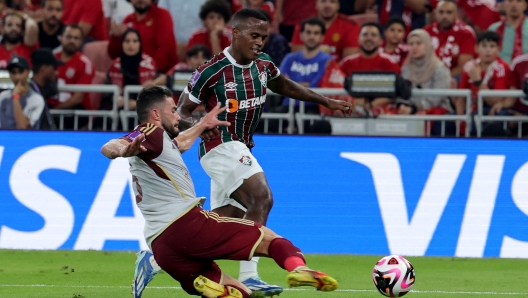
<point>233,61</point>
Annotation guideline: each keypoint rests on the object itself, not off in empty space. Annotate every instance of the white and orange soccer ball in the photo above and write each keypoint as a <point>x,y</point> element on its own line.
<point>393,276</point>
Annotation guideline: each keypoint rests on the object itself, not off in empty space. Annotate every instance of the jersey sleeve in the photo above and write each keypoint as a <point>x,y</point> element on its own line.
<point>199,84</point>
<point>272,70</point>
<point>86,71</point>
<point>34,107</point>
<point>500,79</point>
<point>153,141</point>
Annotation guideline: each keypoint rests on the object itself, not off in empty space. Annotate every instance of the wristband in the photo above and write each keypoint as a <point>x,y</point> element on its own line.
<point>16,96</point>
<point>477,83</point>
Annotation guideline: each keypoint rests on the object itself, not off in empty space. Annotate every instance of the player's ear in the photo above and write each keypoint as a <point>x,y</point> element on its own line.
<point>155,114</point>
<point>236,32</point>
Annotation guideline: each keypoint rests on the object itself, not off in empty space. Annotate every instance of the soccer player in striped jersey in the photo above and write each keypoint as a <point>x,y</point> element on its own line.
<point>238,78</point>
<point>186,240</point>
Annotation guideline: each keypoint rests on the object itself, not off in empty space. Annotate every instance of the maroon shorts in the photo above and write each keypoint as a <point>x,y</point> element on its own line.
<point>189,246</point>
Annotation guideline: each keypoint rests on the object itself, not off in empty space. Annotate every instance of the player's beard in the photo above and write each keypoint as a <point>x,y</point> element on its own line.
<point>170,129</point>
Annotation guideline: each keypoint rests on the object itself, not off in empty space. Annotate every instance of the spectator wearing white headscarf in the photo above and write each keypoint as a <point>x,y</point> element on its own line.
<point>425,71</point>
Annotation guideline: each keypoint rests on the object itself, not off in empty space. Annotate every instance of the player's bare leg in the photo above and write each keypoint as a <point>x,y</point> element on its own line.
<point>255,195</point>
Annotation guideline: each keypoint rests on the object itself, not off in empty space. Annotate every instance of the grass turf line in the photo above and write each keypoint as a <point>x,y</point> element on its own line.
<point>83,274</point>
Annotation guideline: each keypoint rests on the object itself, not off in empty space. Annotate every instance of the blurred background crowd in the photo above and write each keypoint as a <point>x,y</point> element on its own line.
<point>450,44</point>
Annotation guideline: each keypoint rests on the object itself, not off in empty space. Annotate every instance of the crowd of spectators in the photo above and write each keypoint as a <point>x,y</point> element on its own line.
<point>434,44</point>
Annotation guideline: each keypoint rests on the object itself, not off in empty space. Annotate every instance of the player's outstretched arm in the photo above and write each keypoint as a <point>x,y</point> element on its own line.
<point>121,148</point>
<point>185,108</point>
<point>291,89</point>
<point>210,121</point>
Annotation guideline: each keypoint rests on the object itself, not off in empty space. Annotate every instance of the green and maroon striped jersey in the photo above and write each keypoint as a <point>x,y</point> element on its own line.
<point>241,87</point>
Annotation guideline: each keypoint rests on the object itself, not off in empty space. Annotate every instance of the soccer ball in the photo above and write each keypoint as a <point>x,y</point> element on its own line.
<point>393,276</point>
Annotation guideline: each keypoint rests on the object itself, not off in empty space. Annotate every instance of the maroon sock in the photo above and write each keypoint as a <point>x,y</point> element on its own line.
<point>280,249</point>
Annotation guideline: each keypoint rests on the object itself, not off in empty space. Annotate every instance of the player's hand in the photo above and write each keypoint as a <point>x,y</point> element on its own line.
<point>210,121</point>
<point>134,148</point>
<point>340,105</point>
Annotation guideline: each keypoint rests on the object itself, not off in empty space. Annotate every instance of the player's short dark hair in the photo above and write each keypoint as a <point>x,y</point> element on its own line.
<point>373,24</point>
<point>395,20</point>
<point>147,98</point>
<point>313,21</point>
<point>246,13</point>
<point>490,36</point>
<point>73,26</point>
<point>14,14</point>
<point>219,6</point>
<point>43,3</point>
<point>197,49</point>
<point>268,16</point>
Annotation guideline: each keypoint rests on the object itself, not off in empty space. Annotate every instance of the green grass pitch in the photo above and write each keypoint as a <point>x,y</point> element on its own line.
<point>84,274</point>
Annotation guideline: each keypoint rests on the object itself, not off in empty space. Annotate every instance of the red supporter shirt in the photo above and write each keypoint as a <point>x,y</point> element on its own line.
<point>399,54</point>
<point>84,11</point>
<point>519,74</point>
<point>78,70</point>
<point>497,81</point>
<point>482,13</point>
<point>19,50</point>
<point>342,34</point>
<point>201,36</point>
<point>380,62</point>
<point>157,37</point>
<point>296,11</point>
<point>450,44</point>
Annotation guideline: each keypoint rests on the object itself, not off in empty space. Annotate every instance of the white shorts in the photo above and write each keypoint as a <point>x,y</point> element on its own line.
<point>228,164</point>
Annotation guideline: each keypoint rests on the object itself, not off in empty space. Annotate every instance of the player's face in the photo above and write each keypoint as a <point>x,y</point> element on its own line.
<point>488,51</point>
<point>327,9</point>
<point>249,38</point>
<point>395,34</point>
<point>312,36</point>
<point>369,39</point>
<point>446,14</point>
<point>170,118</point>
<point>514,8</point>
<point>18,75</point>
<point>195,61</point>
<point>417,47</point>
<point>13,29</point>
<point>71,40</point>
<point>213,20</point>
<point>131,44</point>
<point>52,12</point>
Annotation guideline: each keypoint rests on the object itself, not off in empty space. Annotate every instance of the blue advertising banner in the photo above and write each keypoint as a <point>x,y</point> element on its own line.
<point>352,195</point>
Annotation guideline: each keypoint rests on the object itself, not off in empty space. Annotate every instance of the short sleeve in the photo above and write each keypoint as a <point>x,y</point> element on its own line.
<point>344,65</point>
<point>198,85</point>
<point>34,107</point>
<point>153,141</point>
<point>272,70</point>
<point>501,75</point>
<point>86,71</point>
